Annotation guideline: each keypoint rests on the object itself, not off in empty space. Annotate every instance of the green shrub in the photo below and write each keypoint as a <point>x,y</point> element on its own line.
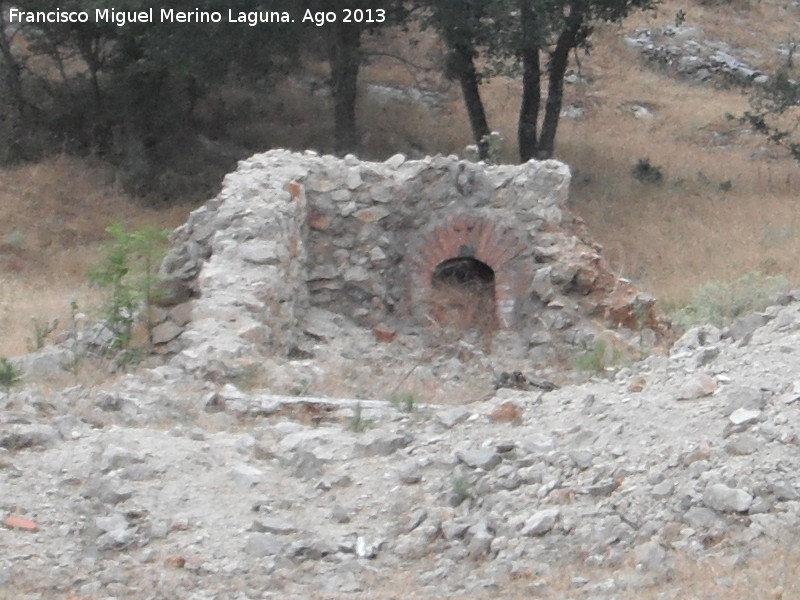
<point>646,172</point>
<point>720,302</point>
<point>494,147</point>
<point>459,489</point>
<point>404,402</point>
<point>41,331</point>
<point>129,270</point>
<point>73,337</point>
<point>597,358</point>
<point>357,421</point>
<point>9,374</point>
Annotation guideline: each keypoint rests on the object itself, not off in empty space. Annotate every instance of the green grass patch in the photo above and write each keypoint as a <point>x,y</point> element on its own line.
<point>720,302</point>
<point>598,358</point>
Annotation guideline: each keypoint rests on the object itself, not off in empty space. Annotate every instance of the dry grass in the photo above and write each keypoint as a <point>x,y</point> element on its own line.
<point>769,574</point>
<point>53,217</point>
<point>691,228</point>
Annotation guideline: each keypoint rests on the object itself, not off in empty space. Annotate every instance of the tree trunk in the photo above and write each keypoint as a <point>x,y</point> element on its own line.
<point>531,91</point>
<point>90,48</point>
<point>13,69</point>
<point>463,67</point>
<point>345,62</point>
<point>559,60</point>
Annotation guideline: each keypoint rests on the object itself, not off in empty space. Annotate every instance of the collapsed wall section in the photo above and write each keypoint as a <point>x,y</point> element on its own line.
<point>290,233</point>
<point>244,255</point>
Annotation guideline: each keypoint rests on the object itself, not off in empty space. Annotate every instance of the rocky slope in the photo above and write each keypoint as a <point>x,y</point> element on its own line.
<point>156,486</point>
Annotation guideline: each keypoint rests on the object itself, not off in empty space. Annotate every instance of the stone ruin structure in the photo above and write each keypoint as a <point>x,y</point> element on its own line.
<point>295,239</point>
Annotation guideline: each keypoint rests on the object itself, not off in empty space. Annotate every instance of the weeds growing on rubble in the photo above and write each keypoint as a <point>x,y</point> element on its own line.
<point>720,302</point>
<point>9,374</point>
<point>357,422</point>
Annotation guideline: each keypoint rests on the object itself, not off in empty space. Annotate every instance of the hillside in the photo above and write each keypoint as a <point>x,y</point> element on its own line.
<point>725,206</point>
<point>371,462</point>
<point>279,445</point>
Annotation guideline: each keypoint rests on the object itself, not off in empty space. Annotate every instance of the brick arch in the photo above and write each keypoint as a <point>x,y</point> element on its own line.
<point>485,240</point>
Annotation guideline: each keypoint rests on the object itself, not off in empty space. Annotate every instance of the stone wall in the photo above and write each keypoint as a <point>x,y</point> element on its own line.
<point>291,233</point>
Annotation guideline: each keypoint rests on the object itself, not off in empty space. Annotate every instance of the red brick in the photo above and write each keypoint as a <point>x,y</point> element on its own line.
<point>507,412</point>
<point>319,221</point>
<point>459,224</point>
<point>437,245</point>
<point>295,189</point>
<point>504,251</point>
<point>384,334</point>
<point>486,244</point>
<point>19,522</point>
<point>175,560</point>
<point>448,242</point>
<point>493,245</point>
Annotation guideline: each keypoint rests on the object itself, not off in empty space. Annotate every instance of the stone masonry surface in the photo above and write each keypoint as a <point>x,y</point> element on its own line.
<point>294,237</point>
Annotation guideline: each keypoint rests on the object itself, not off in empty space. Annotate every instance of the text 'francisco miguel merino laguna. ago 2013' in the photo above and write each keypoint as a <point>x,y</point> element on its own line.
<point>170,15</point>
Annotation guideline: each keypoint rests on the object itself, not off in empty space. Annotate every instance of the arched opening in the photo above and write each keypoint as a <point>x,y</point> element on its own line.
<point>463,294</point>
<point>464,271</point>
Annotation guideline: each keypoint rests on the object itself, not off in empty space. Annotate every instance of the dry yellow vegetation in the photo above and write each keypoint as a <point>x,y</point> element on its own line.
<point>760,574</point>
<point>53,216</point>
